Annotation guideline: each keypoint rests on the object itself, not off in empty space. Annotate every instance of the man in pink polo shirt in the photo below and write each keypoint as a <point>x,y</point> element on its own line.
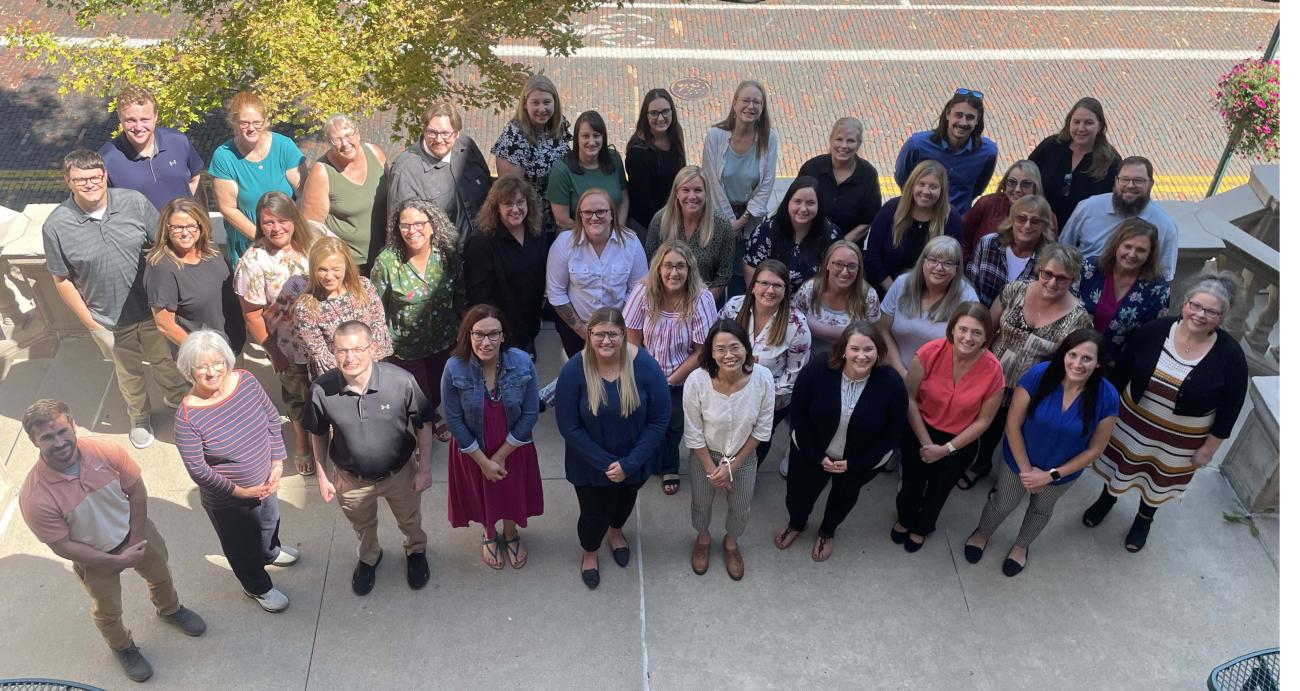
<point>86,500</point>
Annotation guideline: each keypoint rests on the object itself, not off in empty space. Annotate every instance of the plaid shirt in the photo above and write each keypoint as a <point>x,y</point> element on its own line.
<point>987,270</point>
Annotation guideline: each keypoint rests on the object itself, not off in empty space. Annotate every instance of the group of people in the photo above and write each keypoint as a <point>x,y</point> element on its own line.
<point>399,304</point>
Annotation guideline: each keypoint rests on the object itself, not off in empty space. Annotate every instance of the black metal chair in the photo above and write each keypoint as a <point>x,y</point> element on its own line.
<point>44,685</point>
<point>1257,671</point>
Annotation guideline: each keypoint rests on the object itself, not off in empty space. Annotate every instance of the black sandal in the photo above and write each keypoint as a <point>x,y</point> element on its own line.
<point>671,484</point>
<point>969,479</point>
<point>1137,534</point>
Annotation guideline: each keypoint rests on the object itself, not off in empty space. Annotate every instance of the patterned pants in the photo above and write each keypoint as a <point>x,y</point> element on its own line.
<point>1007,495</point>
<point>739,498</point>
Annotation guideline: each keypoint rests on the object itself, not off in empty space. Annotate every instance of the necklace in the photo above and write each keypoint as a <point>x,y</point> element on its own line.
<point>494,394</point>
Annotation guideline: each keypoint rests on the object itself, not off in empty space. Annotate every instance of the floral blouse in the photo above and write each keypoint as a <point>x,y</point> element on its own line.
<point>1020,346</point>
<point>315,327</point>
<point>535,159</point>
<point>421,310</point>
<point>1143,302</point>
<point>803,266</point>
<point>783,360</point>
<point>274,281</point>
<point>827,324</point>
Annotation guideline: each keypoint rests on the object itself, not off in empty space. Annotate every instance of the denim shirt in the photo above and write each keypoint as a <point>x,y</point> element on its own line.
<point>463,390</point>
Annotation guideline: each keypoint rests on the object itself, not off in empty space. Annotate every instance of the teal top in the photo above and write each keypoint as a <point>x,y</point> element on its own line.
<point>740,175</point>
<point>254,179</point>
<point>565,187</point>
<point>420,309</point>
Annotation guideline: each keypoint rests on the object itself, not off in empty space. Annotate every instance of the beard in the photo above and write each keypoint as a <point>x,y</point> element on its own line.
<point>1129,209</point>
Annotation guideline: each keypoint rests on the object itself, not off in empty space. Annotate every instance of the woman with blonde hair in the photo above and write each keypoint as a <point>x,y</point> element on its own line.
<point>612,408</point>
<point>849,181</point>
<point>336,293</point>
<point>906,222</point>
<point>986,216</point>
<point>668,315</point>
<point>1125,286</point>
<point>534,139</point>
<point>691,217</point>
<point>837,296</point>
<point>187,282</point>
<point>1012,253</point>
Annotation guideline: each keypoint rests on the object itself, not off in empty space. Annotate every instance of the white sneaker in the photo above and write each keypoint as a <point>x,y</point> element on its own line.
<point>784,468</point>
<point>272,600</point>
<point>141,434</point>
<point>288,556</point>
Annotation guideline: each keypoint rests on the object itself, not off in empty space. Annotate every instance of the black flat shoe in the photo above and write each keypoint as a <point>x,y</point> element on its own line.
<point>1137,534</point>
<point>363,577</point>
<point>591,577</point>
<point>973,553</point>
<point>1010,567</point>
<point>622,555</point>
<point>898,536</point>
<point>913,546</point>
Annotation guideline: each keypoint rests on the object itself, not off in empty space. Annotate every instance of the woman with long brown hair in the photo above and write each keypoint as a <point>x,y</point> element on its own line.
<point>1079,161</point>
<point>505,258</point>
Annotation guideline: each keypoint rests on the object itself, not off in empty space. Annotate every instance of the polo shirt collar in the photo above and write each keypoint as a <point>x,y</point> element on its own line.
<point>81,215</point>
<point>375,383</point>
<point>430,161</point>
<point>123,145</point>
<point>51,475</point>
<point>823,165</point>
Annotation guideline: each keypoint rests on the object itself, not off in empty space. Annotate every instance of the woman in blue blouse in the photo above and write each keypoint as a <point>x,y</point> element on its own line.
<point>612,407</point>
<point>1125,287</point>
<point>1061,416</point>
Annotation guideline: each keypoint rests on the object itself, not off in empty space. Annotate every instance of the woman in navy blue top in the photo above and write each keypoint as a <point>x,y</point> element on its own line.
<point>1061,416</point>
<point>612,407</point>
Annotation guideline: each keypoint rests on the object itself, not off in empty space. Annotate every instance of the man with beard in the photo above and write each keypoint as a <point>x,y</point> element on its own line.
<point>958,143</point>
<point>85,499</point>
<point>1095,218</point>
<point>444,167</point>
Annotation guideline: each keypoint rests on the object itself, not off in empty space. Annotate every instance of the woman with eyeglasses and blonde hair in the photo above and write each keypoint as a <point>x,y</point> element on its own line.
<point>534,140</point>
<point>668,315</point>
<point>250,164</point>
<point>1020,180</point>
<point>1030,319</point>
<point>592,266</point>
<point>270,277</point>
<point>187,281</point>
<point>1125,287</point>
<point>837,296</point>
<point>612,408</point>
<point>919,304</point>
<point>489,392</point>
<point>690,217</point>
<point>655,154</point>
<point>907,222</point>
<point>336,293</point>
<point>341,188</point>
<point>1078,162</point>
<point>505,258</point>
<point>1011,254</point>
<point>851,185</point>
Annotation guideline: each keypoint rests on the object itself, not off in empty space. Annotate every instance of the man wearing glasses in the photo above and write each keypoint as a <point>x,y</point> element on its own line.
<point>158,162</point>
<point>1095,218</point>
<point>94,248</point>
<point>444,167</point>
<point>381,445</point>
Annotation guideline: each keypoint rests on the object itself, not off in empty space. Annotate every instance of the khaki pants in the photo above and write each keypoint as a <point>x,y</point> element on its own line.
<point>359,497</point>
<point>130,347</point>
<point>105,589</point>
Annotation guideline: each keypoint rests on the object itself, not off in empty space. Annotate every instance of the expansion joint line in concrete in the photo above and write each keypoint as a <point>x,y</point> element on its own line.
<point>320,604</point>
<point>640,577</point>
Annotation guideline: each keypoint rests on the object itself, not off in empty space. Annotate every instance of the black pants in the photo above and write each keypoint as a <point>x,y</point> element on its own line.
<point>805,483</point>
<point>569,338</point>
<point>601,508</point>
<point>250,538</point>
<point>669,456</point>
<point>765,446</point>
<point>925,486</point>
<point>991,440</point>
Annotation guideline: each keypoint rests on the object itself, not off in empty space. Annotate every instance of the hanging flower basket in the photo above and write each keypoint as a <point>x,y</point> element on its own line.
<point>1248,99</point>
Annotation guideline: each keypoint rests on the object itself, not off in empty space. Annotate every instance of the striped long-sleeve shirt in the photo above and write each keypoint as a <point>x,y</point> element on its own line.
<point>231,443</point>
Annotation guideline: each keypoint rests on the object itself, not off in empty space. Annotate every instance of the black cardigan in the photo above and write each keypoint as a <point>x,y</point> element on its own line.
<point>875,427</point>
<point>1217,384</point>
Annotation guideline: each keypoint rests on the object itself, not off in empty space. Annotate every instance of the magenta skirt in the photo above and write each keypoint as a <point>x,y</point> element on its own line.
<point>470,497</point>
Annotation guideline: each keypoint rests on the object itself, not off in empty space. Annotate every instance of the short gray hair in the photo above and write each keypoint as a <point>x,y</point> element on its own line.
<point>198,344</point>
<point>1223,285</point>
<point>340,122</point>
<point>1068,257</point>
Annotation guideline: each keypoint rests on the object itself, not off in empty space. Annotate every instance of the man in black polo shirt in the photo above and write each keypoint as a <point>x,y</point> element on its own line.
<point>380,421</point>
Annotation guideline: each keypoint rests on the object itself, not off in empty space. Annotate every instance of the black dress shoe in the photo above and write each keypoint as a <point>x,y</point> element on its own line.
<point>1011,567</point>
<point>913,546</point>
<point>591,577</point>
<point>1137,534</point>
<point>417,570</point>
<point>363,577</point>
<point>898,536</point>
<point>622,555</point>
<point>973,553</point>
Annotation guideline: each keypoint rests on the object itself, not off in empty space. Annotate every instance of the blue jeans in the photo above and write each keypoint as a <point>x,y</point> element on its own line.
<point>670,461</point>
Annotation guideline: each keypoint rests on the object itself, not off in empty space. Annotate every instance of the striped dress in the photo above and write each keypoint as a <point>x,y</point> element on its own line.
<point>1152,447</point>
<point>670,336</point>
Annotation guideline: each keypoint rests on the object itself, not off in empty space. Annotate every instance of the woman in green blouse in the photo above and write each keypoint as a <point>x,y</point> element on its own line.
<point>417,276</point>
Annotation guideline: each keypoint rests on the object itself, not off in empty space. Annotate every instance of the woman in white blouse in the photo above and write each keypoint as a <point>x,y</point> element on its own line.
<point>777,331</point>
<point>592,266</point>
<point>728,404</point>
<point>837,296</point>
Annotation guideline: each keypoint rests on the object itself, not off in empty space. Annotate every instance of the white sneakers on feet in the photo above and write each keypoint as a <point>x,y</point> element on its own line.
<point>288,556</point>
<point>272,600</point>
<point>141,434</point>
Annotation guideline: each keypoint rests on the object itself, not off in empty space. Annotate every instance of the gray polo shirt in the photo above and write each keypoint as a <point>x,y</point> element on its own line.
<point>104,258</point>
<point>374,432</point>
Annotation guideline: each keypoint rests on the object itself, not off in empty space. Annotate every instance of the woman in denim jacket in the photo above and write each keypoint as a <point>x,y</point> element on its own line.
<point>489,395</point>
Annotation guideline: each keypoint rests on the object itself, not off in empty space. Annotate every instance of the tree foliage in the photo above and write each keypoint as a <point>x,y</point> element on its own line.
<point>309,59</point>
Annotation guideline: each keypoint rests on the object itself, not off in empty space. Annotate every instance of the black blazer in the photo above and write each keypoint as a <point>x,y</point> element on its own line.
<point>875,427</point>
<point>1217,384</point>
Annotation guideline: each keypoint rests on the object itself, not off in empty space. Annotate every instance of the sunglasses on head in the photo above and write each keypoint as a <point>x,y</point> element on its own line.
<point>969,92</point>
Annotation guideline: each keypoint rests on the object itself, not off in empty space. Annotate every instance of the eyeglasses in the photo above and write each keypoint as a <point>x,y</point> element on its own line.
<point>606,336</point>
<point>841,267</point>
<point>1016,184</point>
<point>211,367</point>
<point>969,92</point>
<point>517,204</point>
<point>342,138</point>
<point>594,215</point>
<point>352,352</point>
<point>1065,184</point>
<point>736,349</point>
<point>411,227</point>
<point>659,114</point>
<point>936,263</point>
<point>88,181</point>
<point>183,229</point>
<point>489,336</point>
<point>251,124</point>
<point>750,101</point>
<point>1024,219</point>
<point>674,266</point>
<point>769,285</point>
<point>1052,277</point>
<point>1126,181</point>
<point>1198,307</point>
<point>443,136</point>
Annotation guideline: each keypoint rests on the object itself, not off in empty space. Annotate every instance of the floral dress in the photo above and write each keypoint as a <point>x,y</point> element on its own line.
<point>315,320</point>
<point>421,309</point>
<point>535,159</point>
<point>1144,301</point>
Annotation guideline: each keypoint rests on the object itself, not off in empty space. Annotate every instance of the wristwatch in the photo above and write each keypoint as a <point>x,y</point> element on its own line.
<point>951,449</point>
<point>1056,474</point>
